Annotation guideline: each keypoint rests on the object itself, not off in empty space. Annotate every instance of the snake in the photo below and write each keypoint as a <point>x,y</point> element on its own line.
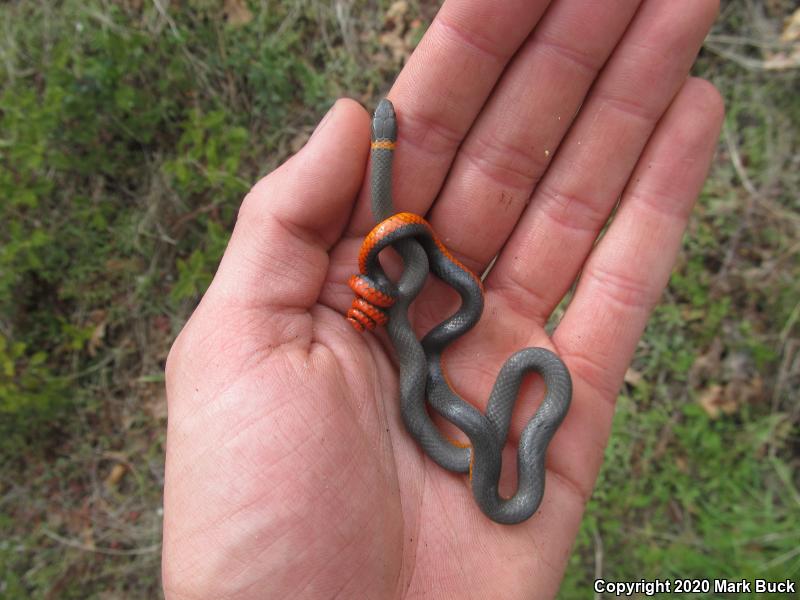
<point>423,381</point>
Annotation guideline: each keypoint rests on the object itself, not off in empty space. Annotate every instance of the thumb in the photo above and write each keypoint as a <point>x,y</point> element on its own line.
<point>278,253</point>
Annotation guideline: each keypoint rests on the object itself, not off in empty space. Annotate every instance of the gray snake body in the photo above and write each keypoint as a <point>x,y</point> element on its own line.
<point>422,377</point>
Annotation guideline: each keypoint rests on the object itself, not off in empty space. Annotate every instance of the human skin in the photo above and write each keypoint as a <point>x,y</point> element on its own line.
<point>289,473</point>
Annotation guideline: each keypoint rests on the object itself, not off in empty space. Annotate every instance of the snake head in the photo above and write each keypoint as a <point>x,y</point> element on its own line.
<point>384,123</point>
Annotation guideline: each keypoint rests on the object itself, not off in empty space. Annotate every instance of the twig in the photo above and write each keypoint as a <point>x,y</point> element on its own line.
<point>737,40</point>
<point>790,323</point>
<point>90,369</point>
<point>598,558</point>
<point>342,10</point>
<point>748,63</point>
<point>752,192</point>
<point>773,536</point>
<point>736,159</point>
<point>787,556</point>
<point>109,551</point>
<point>163,12</point>
<point>752,64</point>
<point>788,350</point>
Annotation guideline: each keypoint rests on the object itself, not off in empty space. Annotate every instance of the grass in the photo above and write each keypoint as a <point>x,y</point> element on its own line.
<point>700,478</point>
<point>129,135</point>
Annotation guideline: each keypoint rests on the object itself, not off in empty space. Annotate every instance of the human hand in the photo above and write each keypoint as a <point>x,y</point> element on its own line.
<point>289,472</point>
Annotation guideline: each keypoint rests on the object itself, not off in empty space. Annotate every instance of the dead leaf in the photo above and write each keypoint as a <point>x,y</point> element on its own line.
<point>96,340</point>
<point>782,61</point>
<point>162,324</point>
<point>237,13</point>
<point>397,10</point>
<point>746,391</point>
<point>788,58</point>
<point>791,33</point>
<point>682,464</point>
<point>394,36</point>
<point>707,365</point>
<point>156,404</point>
<point>98,318</point>
<point>692,314</point>
<point>675,512</point>
<point>715,402</point>
<point>396,45</point>
<point>115,476</point>
<point>87,537</point>
<point>633,377</point>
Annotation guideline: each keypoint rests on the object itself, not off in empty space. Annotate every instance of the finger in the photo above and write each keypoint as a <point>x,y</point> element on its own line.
<point>577,194</point>
<point>278,253</point>
<point>441,90</point>
<point>627,272</point>
<point>522,124</point>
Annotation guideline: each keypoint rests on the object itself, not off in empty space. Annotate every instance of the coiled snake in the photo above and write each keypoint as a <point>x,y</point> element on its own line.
<point>422,379</point>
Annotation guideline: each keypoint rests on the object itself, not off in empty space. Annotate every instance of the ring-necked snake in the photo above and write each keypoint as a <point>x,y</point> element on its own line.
<point>422,379</point>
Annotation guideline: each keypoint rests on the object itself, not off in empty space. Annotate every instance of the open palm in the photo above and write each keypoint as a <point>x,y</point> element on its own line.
<point>522,126</point>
